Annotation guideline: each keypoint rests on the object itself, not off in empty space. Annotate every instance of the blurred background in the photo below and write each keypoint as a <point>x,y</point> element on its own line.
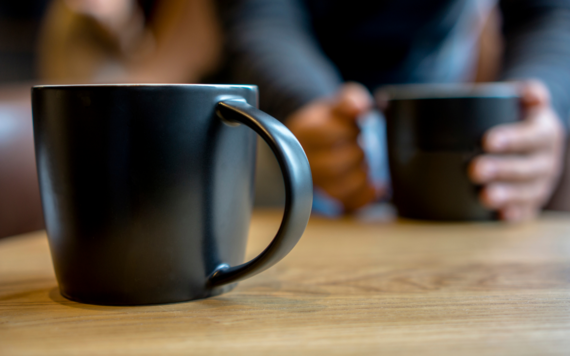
<point>90,41</point>
<point>87,41</point>
<point>20,23</point>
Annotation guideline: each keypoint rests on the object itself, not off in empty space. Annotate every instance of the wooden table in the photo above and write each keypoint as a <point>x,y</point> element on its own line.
<point>347,288</point>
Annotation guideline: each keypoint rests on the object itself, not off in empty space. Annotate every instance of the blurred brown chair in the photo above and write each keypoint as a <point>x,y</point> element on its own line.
<point>20,209</point>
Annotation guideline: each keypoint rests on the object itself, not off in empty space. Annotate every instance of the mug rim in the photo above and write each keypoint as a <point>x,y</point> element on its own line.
<point>449,90</point>
<point>127,85</point>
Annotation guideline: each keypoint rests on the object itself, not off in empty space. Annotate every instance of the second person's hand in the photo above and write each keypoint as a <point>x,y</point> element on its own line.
<point>523,160</point>
<point>328,131</point>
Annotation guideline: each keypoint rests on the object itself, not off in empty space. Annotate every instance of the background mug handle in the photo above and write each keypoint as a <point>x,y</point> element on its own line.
<point>298,189</point>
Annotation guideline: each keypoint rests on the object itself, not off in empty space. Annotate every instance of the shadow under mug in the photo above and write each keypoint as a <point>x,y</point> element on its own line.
<point>433,132</point>
<point>147,190</point>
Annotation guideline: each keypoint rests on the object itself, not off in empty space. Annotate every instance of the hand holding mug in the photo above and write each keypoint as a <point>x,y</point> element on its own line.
<point>523,160</point>
<point>328,131</point>
<point>434,132</point>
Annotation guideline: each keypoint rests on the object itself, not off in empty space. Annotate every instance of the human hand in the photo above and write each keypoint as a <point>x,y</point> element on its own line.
<point>523,160</point>
<point>328,131</point>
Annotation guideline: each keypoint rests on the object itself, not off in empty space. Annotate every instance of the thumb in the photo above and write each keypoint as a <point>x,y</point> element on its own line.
<point>352,100</point>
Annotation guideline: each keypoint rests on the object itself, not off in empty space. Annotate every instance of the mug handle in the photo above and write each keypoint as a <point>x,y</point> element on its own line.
<point>298,189</point>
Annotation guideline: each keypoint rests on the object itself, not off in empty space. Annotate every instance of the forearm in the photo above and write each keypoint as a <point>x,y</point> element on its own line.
<point>271,45</point>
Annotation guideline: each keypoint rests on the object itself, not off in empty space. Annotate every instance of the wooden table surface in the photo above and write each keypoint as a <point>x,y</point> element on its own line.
<point>348,288</point>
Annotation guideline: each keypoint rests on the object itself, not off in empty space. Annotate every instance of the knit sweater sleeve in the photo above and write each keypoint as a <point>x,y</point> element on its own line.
<point>271,44</point>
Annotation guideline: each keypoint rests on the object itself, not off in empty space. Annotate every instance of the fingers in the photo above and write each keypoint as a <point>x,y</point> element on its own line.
<point>524,160</point>
<point>535,132</point>
<point>353,189</point>
<point>315,126</point>
<point>534,93</point>
<point>332,163</point>
<point>490,168</point>
<point>501,195</point>
<point>515,202</point>
<point>342,173</point>
<point>328,131</point>
<point>328,122</point>
<point>352,100</point>
<point>516,213</point>
<point>327,135</point>
<point>364,196</point>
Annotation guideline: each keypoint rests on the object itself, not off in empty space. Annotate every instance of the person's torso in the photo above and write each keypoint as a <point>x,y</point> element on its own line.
<point>396,41</point>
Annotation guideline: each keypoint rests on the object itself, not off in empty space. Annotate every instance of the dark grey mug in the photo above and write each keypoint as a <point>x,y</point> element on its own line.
<point>147,190</point>
<point>433,132</point>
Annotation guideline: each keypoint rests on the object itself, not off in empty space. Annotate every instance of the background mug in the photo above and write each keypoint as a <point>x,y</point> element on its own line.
<point>147,190</point>
<point>433,132</point>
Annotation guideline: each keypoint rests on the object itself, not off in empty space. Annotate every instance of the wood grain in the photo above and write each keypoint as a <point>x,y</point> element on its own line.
<point>347,288</point>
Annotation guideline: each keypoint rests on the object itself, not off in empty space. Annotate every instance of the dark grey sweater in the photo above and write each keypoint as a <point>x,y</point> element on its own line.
<point>299,50</point>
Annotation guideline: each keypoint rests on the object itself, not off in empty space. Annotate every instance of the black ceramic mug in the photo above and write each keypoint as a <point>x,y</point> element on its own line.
<point>433,133</point>
<point>147,190</point>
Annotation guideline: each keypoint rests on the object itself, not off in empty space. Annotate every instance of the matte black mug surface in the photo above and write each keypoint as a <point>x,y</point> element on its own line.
<point>433,133</point>
<point>147,190</point>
